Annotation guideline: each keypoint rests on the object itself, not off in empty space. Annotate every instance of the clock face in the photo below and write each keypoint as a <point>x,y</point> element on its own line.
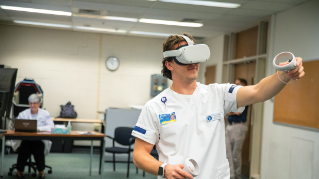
<point>112,63</point>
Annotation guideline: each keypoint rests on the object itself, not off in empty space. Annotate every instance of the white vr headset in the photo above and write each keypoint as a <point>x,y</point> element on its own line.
<point>190,53</point>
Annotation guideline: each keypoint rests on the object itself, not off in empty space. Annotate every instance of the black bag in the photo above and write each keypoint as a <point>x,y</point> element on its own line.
<point>67,111</point>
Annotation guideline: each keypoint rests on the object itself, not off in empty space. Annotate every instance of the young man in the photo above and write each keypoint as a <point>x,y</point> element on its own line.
<point>235,136</point>
<point>198,131</point>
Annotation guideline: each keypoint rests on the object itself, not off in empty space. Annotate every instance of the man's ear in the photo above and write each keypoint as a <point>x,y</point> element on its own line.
<point>169,65</point>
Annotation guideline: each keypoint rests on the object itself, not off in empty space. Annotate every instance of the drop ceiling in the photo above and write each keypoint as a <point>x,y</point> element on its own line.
<point>216,20</point>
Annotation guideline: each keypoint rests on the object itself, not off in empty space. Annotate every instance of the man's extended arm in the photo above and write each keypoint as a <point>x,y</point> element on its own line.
<point>268,87</point>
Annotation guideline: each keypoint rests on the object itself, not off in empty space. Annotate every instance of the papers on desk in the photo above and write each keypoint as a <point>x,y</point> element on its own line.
<point>86,133</point>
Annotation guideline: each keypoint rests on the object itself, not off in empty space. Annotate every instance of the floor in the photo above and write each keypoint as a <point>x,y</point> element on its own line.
<point>77,166</point>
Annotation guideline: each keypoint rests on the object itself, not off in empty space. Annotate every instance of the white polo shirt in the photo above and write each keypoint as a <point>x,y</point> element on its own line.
<point>198,131</point>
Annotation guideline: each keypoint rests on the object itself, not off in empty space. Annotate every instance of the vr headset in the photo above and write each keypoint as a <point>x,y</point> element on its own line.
<point>190,53</point>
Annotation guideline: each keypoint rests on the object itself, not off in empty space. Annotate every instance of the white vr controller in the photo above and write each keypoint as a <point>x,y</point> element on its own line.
<point>290,66</point>
<point>191,167</point>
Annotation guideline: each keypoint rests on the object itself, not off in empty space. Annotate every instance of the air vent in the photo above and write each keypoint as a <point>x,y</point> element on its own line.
<point>191,20</point>
<point>88,11</point>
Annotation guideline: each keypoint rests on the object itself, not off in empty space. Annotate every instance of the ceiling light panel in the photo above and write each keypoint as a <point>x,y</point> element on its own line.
<point>107,17</point>
<point>42,24</point>
<point>150,33</point>
<point>99,29</point>
<point>175,23</point>
<point>32,10</point>
<point>204,3</point>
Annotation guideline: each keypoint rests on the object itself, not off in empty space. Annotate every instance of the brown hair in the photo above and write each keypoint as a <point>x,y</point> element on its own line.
<point>169,45</point>
<point>242,81</point>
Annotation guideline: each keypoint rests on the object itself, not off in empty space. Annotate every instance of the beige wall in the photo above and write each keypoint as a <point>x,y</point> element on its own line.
<point>66,65</point>
<point>216,46</point>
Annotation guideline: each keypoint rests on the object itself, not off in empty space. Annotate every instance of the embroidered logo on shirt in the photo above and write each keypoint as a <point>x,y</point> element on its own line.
<point>231,89</point>
<point>209,118</point>
<point>140,130</point>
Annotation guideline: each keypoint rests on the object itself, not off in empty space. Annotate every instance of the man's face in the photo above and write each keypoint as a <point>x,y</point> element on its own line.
<point>34,106</point>
<point>187,73</point>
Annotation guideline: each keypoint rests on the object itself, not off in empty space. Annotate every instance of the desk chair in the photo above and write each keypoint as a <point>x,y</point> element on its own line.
<point>122,135</point>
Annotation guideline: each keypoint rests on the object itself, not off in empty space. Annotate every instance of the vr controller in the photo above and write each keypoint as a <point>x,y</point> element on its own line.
<point>290,66</point>
<point>191,167</point>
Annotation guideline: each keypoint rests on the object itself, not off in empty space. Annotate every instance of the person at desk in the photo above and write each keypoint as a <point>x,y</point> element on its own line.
<point>36,147</point>
<point>235,136</point>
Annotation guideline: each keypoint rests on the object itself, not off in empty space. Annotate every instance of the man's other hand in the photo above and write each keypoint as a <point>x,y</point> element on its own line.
<point>176,172</point>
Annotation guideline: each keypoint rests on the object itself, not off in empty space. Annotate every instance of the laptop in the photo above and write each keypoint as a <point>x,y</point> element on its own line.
<point>25,125</point>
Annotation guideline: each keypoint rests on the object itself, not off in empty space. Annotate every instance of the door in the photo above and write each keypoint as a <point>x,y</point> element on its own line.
<point>210,74</point>
<point>246,71</point>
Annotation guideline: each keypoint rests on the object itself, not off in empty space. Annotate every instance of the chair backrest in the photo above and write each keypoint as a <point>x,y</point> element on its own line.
<point>122,135</point>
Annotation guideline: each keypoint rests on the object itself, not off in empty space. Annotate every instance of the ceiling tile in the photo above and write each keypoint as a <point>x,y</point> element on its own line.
<point>250,12</point>
<point>179,15</point>
<point>16,15</point>
<point>131,3</point>
<point>5,18</point>
<point>269,6</point>
<point>66,3</point>
<point>124,14</point>
<point>161,28</point>
<point>285,1</point>
<point>22,0</point>
<point>102,23</point>
<point>2,14</point>
<point>190,8</point>
<point>108,7</point>
<point>237,18</point>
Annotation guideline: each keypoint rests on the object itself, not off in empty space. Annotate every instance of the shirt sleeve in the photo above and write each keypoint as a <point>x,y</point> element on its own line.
<point>48,123</point>
<point>146,127</point>
<point>230,100</point>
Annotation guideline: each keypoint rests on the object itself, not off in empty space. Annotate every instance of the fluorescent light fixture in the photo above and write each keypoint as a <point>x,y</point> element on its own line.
<point>150,33</point>
<point>43,24</point>
<point>204,3</point>
<point>186,24</point>
<point>99,29</point>
<point>107,17</point>
<point>42,11</point>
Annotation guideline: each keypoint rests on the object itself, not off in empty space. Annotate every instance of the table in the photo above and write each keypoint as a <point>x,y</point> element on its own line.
<point>81,121</point>
<point>11,134</point>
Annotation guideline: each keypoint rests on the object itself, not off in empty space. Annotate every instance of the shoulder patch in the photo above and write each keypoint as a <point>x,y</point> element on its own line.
<point>139,129</point>
<point>231,89</point>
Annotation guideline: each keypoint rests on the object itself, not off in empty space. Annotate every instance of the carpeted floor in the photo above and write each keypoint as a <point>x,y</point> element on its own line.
<point>76,166</point>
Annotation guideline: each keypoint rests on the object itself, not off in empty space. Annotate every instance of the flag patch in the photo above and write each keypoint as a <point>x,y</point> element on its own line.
<point>140,130</point>
<point>231,89</point>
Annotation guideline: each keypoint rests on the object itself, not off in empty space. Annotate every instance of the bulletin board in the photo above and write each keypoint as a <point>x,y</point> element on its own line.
<point>298,103</point>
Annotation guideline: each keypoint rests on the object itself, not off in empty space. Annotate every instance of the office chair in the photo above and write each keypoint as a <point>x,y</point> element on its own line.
<point>30,165</point>
<point>154,154</point>
<point>122,135</point>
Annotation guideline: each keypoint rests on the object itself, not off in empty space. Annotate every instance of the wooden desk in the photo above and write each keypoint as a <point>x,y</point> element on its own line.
<point>47,136</point>
<point>81,121</point>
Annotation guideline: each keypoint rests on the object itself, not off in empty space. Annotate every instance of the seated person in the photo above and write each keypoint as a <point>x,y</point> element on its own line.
<point>36,147</point>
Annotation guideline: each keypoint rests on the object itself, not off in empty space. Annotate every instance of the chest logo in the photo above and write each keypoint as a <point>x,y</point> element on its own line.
<point>209,118</point>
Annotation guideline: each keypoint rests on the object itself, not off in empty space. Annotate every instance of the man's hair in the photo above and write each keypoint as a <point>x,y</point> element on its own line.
<point>169,45</point>
<point>242,81</point>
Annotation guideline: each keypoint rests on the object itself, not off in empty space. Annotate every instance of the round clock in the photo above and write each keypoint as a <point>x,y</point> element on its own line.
<point>112,63</point>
